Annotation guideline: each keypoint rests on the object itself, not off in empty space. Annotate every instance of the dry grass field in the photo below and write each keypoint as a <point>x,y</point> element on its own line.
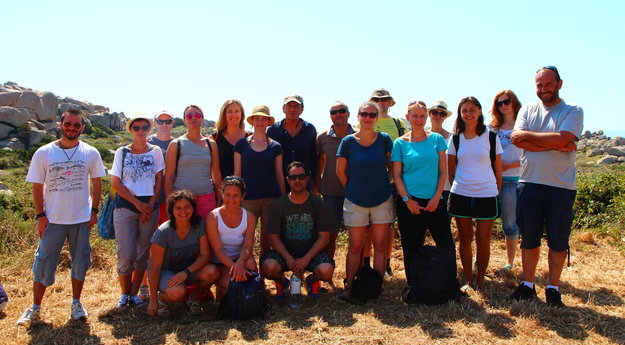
<point>592,287</point>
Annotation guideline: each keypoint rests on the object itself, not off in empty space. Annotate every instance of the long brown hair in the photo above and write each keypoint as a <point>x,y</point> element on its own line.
<point>460,126</point>
<point>221,122</point>
<point>497,119</point>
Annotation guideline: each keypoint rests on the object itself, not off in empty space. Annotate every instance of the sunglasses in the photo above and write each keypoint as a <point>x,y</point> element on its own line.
<point>553,68</point>
<point>378,99</point>
<point>338,111</point>
<point>194,116</point>
<point>439,113</point>
<point>144,128</point>
<point>166,122</point>
<point>68,124</point>
<point>297,177</point>
<point>369,115</point>
<point>505,101</point>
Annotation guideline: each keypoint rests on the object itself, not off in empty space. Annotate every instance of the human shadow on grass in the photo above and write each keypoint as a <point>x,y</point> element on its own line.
<point>433,320</point>
<point>72,332</point>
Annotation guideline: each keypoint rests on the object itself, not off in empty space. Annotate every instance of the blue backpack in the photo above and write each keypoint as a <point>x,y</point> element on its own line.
<point>245,300</point>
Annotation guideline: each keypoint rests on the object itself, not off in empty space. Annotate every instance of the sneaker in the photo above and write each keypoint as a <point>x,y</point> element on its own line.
<point>312,288</point>
<point>28,316</point>
<point>78,312</point>
<point>282,289</point>
<point>144,292</point>
<point>523,292</point>
<point>123,301</point>
<point>506,268</point>
<point>135,301</point>
<point>194,306</point>
<point>163,307</point>
<point>553,297</point>
<point>389,271</point>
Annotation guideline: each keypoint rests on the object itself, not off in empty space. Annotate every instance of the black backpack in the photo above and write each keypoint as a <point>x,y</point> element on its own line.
<point>434,277</point>
<point>367,284</point>
<point>245,300</point>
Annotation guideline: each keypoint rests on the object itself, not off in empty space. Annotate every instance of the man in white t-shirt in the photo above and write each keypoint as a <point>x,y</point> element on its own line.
<point>547,132</point>
<point>60,173</point>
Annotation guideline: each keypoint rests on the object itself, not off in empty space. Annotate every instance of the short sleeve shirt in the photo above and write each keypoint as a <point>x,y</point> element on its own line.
<point>259,169</point>
<point>367,174</point>
<point>419,164</point>
<point>299,224</point>
<point>65,177</point>
<point>140,170</point>
<point>552,168</point>
<point>179,254</point>
<point>302,147</point>
<point>328,144</point>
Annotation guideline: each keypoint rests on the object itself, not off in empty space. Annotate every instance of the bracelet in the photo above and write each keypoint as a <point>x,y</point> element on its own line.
<point>95,209</point>
<point>39,215</point>
<point>188,273</point>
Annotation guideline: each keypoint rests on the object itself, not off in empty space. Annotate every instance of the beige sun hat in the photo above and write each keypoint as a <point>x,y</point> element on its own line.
<point>439,105</point>
<point>382,93</point>
<point>261,110</point>
<point>138,116</point>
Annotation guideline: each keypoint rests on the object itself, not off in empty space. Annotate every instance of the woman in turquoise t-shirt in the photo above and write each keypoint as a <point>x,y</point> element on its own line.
<point>420,170</point>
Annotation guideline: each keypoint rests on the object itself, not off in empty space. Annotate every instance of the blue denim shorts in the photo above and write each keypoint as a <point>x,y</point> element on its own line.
<point>507,198</point>
<point>542,207</point>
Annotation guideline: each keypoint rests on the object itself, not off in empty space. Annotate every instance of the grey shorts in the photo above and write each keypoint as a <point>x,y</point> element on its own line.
<point>321,258</point>
<point>50,244</point>
<point>133,239</point>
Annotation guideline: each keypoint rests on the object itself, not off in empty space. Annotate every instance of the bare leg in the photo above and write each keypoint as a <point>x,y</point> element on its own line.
<point>125,282</point>
<point>556,264</point>
<point>390,241</point>
<point>76,288</point>
<point>530,260</point>
<point>465,236</point>
<point>511,245</point>
<point>366,251</point>
<point>137,279</point>
<point>482,241</point>
<point>38,291</point>
<point>379,236</point>
<point>352,260</point>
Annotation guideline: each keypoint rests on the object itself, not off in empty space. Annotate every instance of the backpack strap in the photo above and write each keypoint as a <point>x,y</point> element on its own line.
<point>400,129</point>
<point>492,138</point>
<point>456,140</point>
<point>125,151</point>
<point>210,150</point>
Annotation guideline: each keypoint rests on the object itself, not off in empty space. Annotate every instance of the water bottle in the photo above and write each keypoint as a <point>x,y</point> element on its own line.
<point>295,296</point>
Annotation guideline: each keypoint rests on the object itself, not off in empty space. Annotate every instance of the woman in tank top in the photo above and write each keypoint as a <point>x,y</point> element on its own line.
<point>193,163</point>
<point>230,128</point>
<point>230,229</point>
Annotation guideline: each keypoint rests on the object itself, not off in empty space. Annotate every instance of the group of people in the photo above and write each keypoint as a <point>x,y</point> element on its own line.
<point>186,209</point>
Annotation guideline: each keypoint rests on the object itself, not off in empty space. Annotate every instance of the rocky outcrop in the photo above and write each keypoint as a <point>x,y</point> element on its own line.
<point>27,116</point>
<point>606,149</point>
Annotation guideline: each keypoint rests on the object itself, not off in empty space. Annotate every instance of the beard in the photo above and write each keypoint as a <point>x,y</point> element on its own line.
<point>71,134</point>
<point>548,97</point>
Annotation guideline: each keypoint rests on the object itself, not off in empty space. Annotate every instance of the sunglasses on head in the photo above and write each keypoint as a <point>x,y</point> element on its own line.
<point>338,111</point>
<point>144,128</point>
<point>553,68</point>
<point>297,177</point>
<point>369,115</point>
<point>380,99</point>
<point>440,113</point>
<point>505,101</point>
<point>166,122</point>
<point>194,116</point>
<point>68,124</point>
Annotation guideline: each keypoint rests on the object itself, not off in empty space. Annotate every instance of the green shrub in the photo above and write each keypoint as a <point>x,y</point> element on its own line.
<point>596,194</point>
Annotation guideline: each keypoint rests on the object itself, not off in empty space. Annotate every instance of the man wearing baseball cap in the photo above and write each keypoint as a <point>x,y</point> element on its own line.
<point>297,137</point>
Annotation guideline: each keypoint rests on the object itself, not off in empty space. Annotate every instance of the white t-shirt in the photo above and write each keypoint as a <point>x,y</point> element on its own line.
<point>510,153</point>
<point>140,170</point>
<point>65,178</point>
<point>552,168</point>
<point>474,174</point>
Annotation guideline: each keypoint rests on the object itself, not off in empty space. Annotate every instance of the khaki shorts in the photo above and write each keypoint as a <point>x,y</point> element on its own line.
<point>259,207</point>
<point>354,215</point>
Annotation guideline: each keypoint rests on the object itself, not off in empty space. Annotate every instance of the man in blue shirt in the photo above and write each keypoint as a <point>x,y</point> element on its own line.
<point>297,137</point>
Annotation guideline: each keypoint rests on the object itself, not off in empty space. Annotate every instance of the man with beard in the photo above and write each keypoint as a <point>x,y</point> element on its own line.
<point>60,173</point>
<point>547,132</point>
<point>299,230</point>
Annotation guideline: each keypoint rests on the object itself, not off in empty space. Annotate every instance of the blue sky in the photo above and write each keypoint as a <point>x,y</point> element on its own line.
<point>144,55</point>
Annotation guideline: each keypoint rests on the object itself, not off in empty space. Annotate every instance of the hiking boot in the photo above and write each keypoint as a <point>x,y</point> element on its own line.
<point>312,288</point>
<point>553,297</point>
<point>78,312</point>
<point>28,316</point>
<point>123,301</point>
<point>135,301</point>
<point>144,292</point>
<point>282,289</point>
<point>523,292</point>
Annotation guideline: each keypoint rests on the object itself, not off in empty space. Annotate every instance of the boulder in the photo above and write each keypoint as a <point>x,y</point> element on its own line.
<point>5,130</point>
<point>607,159</point>
<point>28,99</point>
<point>618,141</point>
<point>594,152</point>
<point>621,159</point>
<point>587,134</point>
<point>617,151</point>
<point>13,116</point>
<point>37,124</point>
<point>46,107</point>
<point>12,144</point>
<point>8,98</point>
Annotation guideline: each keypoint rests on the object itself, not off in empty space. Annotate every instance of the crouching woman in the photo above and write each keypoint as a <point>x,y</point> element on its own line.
<point>179,257</point>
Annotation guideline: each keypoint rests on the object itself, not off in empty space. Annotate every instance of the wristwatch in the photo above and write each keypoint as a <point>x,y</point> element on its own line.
<point>95,209</point>
<point>187,272</point>
<point>405,198</point>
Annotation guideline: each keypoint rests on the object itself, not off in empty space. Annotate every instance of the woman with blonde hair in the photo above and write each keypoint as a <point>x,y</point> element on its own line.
<point>230,128</point>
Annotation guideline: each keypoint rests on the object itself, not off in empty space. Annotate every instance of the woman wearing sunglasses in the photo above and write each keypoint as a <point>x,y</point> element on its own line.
<point>505,108</point>
<point>193,163</point>
<point>137,176</point>
<point>230,229</point>
<point>438,113</point>
<point>419,171</point>
<point>475,183</point>
<point>362,166</point>
<point>258,159</point>
<point>230,128</point>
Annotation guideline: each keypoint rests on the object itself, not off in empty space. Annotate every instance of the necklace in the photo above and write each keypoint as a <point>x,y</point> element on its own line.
<point>63,148</point>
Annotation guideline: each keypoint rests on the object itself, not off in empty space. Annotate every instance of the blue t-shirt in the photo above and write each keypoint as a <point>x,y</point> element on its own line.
<point>302,147</point>
<point>367,175</point>
<point>259,169</point>
<point>419,164</point>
